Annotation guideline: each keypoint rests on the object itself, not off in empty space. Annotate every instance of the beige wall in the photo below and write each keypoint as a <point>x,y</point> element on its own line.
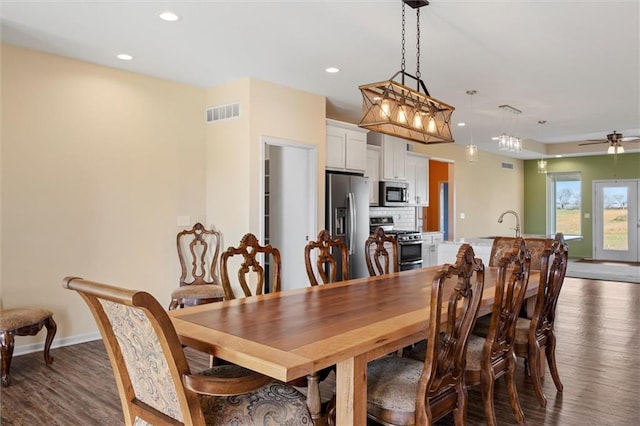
<point>96,166</point>
<point>234,149</point>
<point>482,191</point>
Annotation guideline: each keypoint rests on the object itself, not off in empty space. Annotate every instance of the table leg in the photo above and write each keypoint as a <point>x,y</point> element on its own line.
<point>351,392</point>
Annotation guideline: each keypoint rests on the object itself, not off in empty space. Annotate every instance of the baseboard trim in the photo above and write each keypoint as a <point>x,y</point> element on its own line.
<point>57,343</point>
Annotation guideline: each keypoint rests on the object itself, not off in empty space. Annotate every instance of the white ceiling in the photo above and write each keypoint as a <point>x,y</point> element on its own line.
<point>574,63</point>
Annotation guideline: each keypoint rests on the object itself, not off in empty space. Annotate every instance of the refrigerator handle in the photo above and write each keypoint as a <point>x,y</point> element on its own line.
<point>352,221</point>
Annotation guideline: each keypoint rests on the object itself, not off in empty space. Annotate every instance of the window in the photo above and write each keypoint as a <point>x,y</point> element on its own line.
<point>564,203</point>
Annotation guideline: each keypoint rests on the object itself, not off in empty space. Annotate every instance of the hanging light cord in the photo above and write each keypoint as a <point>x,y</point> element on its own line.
<point>402,64</point>
<point>417,42</point>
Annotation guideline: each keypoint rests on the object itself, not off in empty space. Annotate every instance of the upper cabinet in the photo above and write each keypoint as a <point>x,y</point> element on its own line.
<point>373,173</point>
<point>418,178</point>
<point>394,155</point>
<point>346,147</point>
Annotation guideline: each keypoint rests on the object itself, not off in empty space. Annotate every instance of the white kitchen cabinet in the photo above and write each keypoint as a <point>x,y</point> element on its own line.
<point>346,147</point>
<point>418,178</point>
<point>394,155</point>
<point>373,173</point>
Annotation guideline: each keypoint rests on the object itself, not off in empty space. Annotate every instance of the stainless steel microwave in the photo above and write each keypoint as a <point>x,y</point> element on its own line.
<point>394,194</point>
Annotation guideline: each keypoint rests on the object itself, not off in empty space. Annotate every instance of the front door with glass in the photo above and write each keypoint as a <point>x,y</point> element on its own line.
<point>616,222</point>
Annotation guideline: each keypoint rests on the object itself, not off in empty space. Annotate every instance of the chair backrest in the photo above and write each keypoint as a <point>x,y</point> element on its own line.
<point>554,267</point>
<point>147,358</point>
<point>248,249</point>
<point>509,297</point>
<point>445,361</point>
<point>198,252</point>
<point>326,266</point>
<point>379,260</point>
<point>536,246</point>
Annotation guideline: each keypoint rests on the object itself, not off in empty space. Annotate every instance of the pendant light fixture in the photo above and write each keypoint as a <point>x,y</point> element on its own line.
<point>471,150</point>
<point>510,142</point>
<point>542,163</point>
<point>393,108</point>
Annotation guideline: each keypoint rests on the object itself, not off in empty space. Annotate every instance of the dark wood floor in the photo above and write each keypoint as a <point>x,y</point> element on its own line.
<point>598,354</point>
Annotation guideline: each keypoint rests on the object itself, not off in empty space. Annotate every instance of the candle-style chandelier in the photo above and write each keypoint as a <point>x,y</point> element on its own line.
<point>393,108</point>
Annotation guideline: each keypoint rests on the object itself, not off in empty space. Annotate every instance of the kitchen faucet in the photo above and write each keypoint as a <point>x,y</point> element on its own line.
<point>517,228</point>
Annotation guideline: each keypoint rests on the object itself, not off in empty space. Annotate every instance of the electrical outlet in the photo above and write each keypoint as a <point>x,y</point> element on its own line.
<point>184,221</point>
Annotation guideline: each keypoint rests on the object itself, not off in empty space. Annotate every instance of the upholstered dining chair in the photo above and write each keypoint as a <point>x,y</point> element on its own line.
<point>153,377</point>
<point>535,338</point>
<point>198,252</point>
<point>379,260</point>
<point>320,399</point>
<point>405,391</point>
<point>248,249</point>
<point>492,356</point>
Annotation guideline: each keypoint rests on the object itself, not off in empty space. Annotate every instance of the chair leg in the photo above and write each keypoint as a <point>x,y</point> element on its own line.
<point>6,349</point>
<point>174,304</point>
<point>550,351</point>
<point>535,368</point>
<point>52,327</point>
<point>487,381</point>
<point>510,381</point>
<point>460,413</point>
<point>314,404</point>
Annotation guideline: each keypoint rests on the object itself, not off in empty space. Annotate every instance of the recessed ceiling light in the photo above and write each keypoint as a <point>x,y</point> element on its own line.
<point>461,124</point>
<point>332,70</point>
<point>169,16</point>
<point>495,138</point>
<point>558,156</point>
<point>124,57</point>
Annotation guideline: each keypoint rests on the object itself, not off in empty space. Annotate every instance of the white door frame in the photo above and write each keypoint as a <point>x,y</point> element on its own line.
<point>633,221</point>
<point>312,191</point>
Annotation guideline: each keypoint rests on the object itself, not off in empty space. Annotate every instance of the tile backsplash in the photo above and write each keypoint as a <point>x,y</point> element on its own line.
<point>403,217</point>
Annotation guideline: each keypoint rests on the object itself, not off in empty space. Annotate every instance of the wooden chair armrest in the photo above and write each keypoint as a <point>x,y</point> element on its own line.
<point>224,386</point>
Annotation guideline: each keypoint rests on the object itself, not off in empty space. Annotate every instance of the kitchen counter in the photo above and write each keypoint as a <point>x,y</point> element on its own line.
<point>447,250</point>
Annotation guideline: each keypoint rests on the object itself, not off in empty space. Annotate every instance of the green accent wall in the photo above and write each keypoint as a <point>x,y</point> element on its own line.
<point>597,167</point>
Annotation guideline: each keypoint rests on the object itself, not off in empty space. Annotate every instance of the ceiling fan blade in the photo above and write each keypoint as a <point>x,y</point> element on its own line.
<point>631,139</point>
<point>599,140</point>
<point>593,143</point>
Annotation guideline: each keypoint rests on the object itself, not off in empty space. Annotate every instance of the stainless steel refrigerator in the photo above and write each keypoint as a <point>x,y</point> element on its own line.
<point>347,218</point>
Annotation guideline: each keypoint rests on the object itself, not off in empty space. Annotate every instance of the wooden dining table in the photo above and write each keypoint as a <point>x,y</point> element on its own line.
<point>293,333</point>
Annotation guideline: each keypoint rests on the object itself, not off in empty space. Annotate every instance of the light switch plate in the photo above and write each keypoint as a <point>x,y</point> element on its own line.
<point>462,216</point>
<point>184,221</point>
<point>587,215</point>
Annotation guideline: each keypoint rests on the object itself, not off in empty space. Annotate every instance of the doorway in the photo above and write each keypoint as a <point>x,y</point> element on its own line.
<point>616,220</point>
<point>290,194</point>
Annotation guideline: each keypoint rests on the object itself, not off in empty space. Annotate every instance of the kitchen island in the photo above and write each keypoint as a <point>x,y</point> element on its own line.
<point>447,250</point>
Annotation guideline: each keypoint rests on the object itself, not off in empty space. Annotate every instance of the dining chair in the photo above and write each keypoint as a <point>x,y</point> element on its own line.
<point>153,377</point>
<point>492,356</point>
<point>321,399</point>
<point>503,245</point>
<point>535,338</point>
<point>248,249</point>
<point>198,252</point>
<point>405,391</point>
<point>326,266</point>
<point>379,260</point>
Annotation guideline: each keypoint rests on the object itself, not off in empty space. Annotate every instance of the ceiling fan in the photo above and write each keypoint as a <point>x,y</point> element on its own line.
<point>614,140</point>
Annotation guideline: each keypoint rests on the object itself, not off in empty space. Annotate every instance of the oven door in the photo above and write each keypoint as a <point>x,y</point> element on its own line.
<point>410,254</point>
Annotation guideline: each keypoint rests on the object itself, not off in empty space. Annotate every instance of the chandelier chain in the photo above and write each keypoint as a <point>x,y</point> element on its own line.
<point>402,64</point>
<point>418,44</point>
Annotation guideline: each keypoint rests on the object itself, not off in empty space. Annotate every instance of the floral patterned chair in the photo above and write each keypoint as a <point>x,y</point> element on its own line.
<point>153,377</point>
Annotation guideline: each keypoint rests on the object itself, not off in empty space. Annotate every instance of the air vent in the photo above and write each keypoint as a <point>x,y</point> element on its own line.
<point>223,112</point>
<point>508,166</point>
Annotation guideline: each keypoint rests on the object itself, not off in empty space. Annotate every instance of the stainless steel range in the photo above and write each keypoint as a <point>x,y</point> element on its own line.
<point>409,242</point>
